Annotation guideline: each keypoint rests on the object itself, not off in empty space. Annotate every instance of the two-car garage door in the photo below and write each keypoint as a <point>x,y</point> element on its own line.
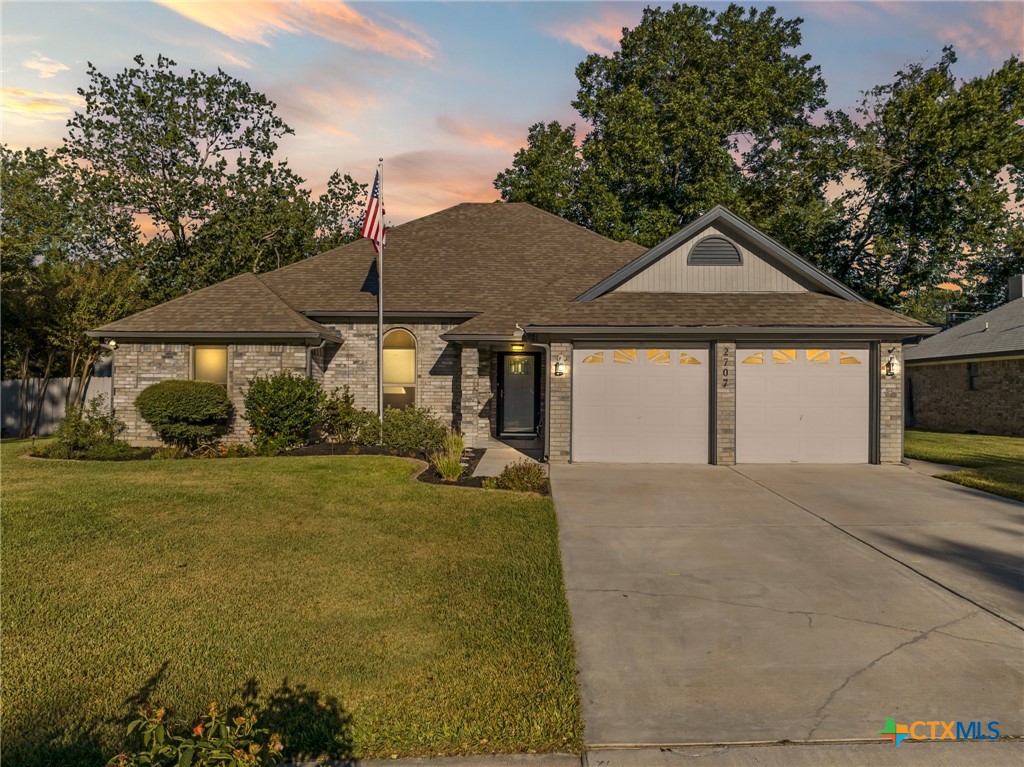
<point>651,405</point>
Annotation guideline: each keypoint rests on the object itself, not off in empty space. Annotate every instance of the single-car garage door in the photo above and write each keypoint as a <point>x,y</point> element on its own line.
<point>640,405</point>
<point>804,405</point>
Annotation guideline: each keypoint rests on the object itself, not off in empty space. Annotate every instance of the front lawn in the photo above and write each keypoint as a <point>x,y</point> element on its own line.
<point>362,614</point>
<point>995,464</point>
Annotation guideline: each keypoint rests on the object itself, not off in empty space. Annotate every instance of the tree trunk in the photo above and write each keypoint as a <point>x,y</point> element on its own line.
<point>41,396</point>
<point>75,356</point>
<point>88,364</point>
<point>23,427</point>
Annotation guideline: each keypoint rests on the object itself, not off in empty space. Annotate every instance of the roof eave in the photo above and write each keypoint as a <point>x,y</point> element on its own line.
<point>206,335</point>
<point>733,332</point>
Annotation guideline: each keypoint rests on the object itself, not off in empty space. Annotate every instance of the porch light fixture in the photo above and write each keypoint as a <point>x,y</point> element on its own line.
<point>892,365</point>
<point>110,344</point>
<point>560,365</point>
<point>518,347</point>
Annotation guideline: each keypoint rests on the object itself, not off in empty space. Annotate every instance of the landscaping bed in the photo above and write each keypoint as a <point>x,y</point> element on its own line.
<point>358,613</point>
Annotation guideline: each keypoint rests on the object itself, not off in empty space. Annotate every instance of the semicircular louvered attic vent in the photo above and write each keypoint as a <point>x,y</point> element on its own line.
<point>715,251</point>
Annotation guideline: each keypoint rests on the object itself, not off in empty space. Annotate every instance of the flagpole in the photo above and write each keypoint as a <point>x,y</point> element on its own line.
<point>380,305</point>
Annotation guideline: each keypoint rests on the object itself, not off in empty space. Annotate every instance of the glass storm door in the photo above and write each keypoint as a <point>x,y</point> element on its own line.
<point>519,394</point>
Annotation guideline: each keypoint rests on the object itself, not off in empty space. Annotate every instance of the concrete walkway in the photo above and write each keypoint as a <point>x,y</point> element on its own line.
<point>804,603</point>
<point>1000,754</point>
<point>496,459</point>
<point>931,469</point>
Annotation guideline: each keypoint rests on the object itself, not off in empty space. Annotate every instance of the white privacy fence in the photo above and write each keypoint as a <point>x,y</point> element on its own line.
<point>52,409</point>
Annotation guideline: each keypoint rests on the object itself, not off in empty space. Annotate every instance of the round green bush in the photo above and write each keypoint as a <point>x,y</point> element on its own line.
<point>186,413</point>
<point>283,409</point>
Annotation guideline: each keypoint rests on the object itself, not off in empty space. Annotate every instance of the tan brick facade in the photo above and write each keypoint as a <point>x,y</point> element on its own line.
<point>137,366</point>
<point>725,404</point>
<point>559,410</point>
<point>941,396</point>
<point>890,404</point>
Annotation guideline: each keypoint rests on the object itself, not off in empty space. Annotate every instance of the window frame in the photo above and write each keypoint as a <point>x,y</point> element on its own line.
<point>415,367</point>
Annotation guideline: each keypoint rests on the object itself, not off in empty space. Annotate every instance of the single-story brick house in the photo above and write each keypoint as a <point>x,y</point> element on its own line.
<point>717,345</point>
<point>971,376</point>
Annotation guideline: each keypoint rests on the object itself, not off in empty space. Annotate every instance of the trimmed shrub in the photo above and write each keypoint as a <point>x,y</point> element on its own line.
<point>447,462</point>
<point>344,422</point>
<point>524,476</point>
<point>186,414</point>
<point>283,410</point>
<point>89,432</point>
<point>413,430</point>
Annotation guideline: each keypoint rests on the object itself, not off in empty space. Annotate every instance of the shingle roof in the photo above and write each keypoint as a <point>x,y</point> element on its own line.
<point>240,305</point>
<point>472,257</point>
<point>1000,331</point>
<point>728,310</point>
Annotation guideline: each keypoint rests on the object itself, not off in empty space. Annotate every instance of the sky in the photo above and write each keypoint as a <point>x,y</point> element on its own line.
<point>443,91</point>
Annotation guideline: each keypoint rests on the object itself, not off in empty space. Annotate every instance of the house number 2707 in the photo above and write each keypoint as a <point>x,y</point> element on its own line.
<point>725,367</point>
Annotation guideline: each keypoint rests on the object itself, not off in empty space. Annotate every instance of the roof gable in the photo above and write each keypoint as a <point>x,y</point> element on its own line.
<point>765,265</point>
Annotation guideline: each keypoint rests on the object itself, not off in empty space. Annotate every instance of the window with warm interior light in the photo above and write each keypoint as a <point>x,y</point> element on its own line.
<point>210,363</point>
<point>399,369</point>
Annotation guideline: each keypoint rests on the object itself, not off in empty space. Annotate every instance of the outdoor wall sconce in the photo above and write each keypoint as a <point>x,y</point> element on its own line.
<point>111,344</point>
<point>518,347</point>
<point>560,365</point>
<point>892,365</point>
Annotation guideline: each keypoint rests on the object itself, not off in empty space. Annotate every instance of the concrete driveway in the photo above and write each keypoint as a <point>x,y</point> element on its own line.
<point>719,605</point>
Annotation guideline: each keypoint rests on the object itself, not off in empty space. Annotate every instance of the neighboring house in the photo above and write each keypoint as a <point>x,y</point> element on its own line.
<point>971,377</point>
<point>718,345</point>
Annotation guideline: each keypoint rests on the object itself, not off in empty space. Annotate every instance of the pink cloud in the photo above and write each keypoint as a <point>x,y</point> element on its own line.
<point>997,29</point>
<point>480,135</point>
<point>424,181</point>
<point>37,105</point>
<point>257,22</point>
<point>44,65</point>
<point>600,34</point>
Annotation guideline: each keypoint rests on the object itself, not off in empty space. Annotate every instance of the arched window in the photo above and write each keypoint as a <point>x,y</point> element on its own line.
<point>399,369</point>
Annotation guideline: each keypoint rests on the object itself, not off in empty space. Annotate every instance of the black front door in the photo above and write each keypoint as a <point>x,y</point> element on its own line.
<point>518,394</point>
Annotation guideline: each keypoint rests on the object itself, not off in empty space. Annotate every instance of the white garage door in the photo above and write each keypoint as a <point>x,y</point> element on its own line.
<point>802,405</point>
<point>640,405</point>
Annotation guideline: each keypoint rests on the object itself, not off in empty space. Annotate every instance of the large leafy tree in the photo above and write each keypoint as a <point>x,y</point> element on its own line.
<point>933,165</point>
<point>673,115</point>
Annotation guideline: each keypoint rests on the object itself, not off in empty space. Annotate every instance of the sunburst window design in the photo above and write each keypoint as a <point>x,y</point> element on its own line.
<point>624,356</point>
<point>848,359</point>
<point>659,357</point>
<point>597,358</point>
<point>754,359</point>
<point>783,356</point>
<point>819,356</point>
<point>688,359</point>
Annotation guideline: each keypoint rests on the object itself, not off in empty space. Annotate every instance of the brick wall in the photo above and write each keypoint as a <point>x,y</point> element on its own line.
<point>725,404</point>
<point>890,431</point>
<point>438,365</point>
<point>137,366</point>
<point>559,411</point>
<point>941,398</point>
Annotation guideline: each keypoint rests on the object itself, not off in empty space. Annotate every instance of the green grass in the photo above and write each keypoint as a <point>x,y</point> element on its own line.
<point>361,613</point>
<point>994,464</point>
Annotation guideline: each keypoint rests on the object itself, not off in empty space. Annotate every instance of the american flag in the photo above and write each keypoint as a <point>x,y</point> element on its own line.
<point>373,224</point>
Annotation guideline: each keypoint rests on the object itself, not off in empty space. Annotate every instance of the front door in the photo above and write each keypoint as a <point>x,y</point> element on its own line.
<point>518,394</point>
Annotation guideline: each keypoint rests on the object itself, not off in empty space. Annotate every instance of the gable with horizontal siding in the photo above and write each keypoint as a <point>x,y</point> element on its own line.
<point>757,273</point>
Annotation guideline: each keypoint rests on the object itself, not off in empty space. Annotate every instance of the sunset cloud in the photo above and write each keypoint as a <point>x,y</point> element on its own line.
<point>998,30</point>
<point>600,34</point>
<point>44,65</point>
<point>428,180</point>
<point>479,135</point>
<point>258,22</point>
<point>38,105</point>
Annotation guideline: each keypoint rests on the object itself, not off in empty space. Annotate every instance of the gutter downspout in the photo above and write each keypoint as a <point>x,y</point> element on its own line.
<point>547,396</point>
<point>309,356</point>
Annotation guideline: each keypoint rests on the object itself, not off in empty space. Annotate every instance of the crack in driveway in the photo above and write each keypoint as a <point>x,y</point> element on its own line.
<point>820,713</point>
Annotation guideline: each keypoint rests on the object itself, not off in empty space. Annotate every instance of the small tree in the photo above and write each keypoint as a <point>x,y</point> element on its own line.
<point>186,414</point>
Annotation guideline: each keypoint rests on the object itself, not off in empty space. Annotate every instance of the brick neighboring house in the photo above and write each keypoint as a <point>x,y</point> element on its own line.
<point>717,345</point>
<point>970,378</point>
